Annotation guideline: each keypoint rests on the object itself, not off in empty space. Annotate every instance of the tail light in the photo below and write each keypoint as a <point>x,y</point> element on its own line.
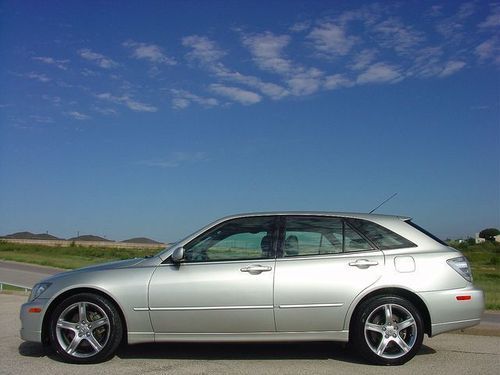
<point>461,265</point>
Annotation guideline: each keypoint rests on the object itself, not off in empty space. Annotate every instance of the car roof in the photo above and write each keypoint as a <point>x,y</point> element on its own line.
<point>353,215</point>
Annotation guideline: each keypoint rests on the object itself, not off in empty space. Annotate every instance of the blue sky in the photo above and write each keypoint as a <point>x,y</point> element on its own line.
<point>153,118</point>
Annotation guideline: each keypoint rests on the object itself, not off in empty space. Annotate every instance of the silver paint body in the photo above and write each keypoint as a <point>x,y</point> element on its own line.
<point>300,298</point>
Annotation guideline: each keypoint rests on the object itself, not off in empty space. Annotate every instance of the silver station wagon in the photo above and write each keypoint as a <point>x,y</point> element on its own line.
<point>379,282</point>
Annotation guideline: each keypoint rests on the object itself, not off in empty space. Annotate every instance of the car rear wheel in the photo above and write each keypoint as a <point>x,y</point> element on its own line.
<point>85,328</point>
<point>387,330</point>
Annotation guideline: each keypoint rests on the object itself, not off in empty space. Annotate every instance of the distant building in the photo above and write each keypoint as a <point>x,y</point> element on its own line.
<point>479,239</point>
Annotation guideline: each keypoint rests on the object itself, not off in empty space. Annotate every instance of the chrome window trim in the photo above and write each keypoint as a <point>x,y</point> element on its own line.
<point>214,262</point>
<point>351,254</point>
<point>198,308</point>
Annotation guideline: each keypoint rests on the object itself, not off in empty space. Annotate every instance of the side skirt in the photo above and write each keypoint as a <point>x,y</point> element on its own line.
<point>342,336</point>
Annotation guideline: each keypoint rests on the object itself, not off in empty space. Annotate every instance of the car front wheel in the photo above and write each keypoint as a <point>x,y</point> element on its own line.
<point>85,328</point>
<point>387,330</point>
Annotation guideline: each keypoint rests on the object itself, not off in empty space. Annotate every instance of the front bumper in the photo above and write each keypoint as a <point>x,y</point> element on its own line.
<point>31,316</point>
<point>454,309</point>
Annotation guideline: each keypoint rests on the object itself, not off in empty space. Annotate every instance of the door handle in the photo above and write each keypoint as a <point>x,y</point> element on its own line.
<point>363,263</point>
<point>256,269</point>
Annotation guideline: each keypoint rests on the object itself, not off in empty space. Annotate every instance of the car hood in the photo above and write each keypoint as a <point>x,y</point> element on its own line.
<point>99,267</point>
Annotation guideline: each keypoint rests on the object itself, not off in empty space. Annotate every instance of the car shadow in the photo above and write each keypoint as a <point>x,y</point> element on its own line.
<point>248,351</point>
<point>225,351</point>
<point>32,349</point>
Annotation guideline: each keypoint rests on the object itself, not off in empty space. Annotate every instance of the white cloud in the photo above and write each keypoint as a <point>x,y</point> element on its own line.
<point>176,159</point>
<point>203,49</point>
<point>368,15</point>
<point>267,51</point>
<point>367,44</point>
<point>493,19</point>
<point>36,76</point>
<point>150,52</point>
<point>363,59</point>
<point>331,40</point>
<point>134,105</point>
<point>337,81</point>
<point>435,10</point>
<point>306,82</point>
<point>451,67</point>
<point>300,26</point>
<point>61,64</point>
<point>105,111</point>
<point>452,27</point>
<point>126,100</point>
<point>236,94</point>
<point>99,59</point>
<point>272,90</point>
<point>489,50</point>
<point>89,73</point>
<point>207,52</point>
<point>78,115</point>
<point>393,34</point>
<point>379,73</point>
<point>427,62</point>
<point>55,100</point>
<point>42,119</point>
<point>182,99</point>
<point>66,85</point>
<point>180,103</point>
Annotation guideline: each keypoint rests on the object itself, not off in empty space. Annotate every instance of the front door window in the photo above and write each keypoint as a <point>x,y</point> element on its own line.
<point>238,239</point>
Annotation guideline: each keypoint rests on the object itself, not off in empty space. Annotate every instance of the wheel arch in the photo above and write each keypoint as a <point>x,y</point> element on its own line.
<point>400,292</point>
<point>72,292</point>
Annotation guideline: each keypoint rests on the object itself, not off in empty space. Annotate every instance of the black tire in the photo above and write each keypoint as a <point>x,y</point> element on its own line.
<point>85,328</point>
<point>383,340</point>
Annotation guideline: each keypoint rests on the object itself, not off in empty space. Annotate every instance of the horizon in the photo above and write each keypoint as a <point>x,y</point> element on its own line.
<point>156,119</point>
<point>4,236</point>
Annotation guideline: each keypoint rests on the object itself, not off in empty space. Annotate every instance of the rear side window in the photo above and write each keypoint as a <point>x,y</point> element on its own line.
<point>409,222</point>
<point>383,238</point>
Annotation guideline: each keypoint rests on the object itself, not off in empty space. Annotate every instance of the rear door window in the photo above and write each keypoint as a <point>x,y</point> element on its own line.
<point>305,236</point>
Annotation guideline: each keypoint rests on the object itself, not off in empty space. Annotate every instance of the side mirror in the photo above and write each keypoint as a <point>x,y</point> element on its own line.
<point>178,255</point>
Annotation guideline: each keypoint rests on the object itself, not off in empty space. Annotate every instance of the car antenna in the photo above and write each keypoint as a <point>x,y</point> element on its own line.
<point>387,200</point>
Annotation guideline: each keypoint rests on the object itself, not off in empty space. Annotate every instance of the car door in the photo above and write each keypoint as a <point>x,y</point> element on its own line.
<point>324,264</point>
<point>224,283</point>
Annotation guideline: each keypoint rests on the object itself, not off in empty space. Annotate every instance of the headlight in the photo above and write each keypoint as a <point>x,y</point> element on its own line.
<point>37,290</point>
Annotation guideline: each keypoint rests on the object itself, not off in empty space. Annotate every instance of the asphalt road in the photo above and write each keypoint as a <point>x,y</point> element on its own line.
<point>25,275</point>
<point>445,354</point>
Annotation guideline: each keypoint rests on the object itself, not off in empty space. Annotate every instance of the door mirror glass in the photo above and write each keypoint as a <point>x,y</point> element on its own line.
<point>178,255</point>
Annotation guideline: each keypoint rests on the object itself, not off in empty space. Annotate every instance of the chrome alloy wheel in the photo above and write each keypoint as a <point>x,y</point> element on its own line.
<point>390,331</point>
<point>83,329</point>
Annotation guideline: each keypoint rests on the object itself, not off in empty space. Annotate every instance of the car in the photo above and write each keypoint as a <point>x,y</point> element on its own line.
<point>379,282</point>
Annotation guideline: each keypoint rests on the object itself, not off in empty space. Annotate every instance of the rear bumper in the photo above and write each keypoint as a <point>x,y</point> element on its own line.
<point>448,313</point>
<point>31,322</point>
